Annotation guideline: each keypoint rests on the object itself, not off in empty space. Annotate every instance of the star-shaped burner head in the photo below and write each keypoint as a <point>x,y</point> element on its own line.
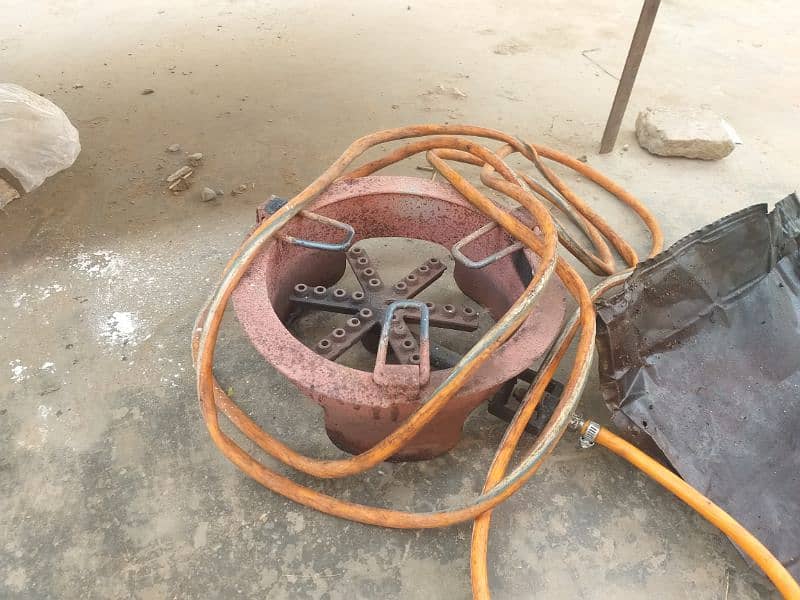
<point>368,307</point>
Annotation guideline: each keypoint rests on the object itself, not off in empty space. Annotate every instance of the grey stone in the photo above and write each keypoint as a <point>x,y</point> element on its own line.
<point>687,133</point>
<point>179,174</point>
<point>207,194</point>
<point>181,185</point>
<point>174,148</point>
<point>195,159</point>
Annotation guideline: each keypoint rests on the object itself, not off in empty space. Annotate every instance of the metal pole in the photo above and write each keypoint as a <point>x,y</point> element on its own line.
<point>635,53</point>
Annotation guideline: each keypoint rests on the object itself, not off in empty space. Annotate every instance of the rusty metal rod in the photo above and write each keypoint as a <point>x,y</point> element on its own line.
<point>635,53</point>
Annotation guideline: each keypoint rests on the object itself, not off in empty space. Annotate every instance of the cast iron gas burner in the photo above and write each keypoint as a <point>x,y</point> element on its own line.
<point>301,269</point>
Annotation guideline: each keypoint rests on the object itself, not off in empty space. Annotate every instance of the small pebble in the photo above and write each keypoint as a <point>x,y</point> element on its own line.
<point>625,148</point>
<point>78,86</point>
<point>148,91</point>
<point>207,194</point>
<point>174,148</point>
<point>181,185</point>
<point>180,173</point>
<point>195,159</point>
<point>239,189</point>
<point>583,158</point>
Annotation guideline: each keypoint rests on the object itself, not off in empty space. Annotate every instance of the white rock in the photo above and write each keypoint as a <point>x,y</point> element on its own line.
<point>688,133</point>
<point>174,148</point>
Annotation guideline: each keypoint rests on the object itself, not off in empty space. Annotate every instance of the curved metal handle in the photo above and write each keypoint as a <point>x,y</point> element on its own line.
<point>459,256</point>
<point>275,203</point>
<point>383,373</point>
<point>336,247</point>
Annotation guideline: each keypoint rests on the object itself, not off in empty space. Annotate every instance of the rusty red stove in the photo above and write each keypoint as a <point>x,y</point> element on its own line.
<point>300,270</point>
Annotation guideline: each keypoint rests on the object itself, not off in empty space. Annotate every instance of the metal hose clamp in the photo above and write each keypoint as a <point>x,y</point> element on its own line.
<point>590,435</point>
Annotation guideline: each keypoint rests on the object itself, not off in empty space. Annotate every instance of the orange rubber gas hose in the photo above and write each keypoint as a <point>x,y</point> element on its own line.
<point>599,265</point>
<point>480,529</point>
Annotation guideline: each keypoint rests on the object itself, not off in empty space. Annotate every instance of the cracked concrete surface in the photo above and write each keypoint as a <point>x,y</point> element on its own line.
<point>109,484</point>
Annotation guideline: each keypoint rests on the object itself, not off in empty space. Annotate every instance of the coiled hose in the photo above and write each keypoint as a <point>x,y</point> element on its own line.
<point>443,143</point>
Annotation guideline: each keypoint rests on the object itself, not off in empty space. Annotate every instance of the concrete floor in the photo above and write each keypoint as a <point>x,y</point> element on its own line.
<point>109,484</point>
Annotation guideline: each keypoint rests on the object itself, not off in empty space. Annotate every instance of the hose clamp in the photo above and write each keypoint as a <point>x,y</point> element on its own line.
<point>590,435</point>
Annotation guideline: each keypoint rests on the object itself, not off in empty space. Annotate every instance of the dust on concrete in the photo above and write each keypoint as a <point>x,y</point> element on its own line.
<point>109,485</point>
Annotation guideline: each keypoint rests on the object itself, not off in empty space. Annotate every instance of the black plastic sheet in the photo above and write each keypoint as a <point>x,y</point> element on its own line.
<point>700,361</point>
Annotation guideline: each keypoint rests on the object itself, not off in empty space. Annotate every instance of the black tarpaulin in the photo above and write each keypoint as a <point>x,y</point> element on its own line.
<point>700,360</point>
